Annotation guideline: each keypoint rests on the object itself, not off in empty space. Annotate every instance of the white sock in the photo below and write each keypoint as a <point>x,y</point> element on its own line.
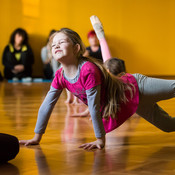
<point>97,25</point>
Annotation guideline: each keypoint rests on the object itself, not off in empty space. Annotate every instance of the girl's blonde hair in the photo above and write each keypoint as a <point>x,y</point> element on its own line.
<point>113,85</point>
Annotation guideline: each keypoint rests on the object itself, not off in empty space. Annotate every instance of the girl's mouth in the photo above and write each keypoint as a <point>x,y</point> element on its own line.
<point>58,51</point>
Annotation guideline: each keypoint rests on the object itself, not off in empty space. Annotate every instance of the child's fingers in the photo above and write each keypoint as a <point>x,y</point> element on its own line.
<point>28,142</point>
<point>82,146</point>
<point>99,147</point>
<point>85,146</point>
<point>22,142</point>
<point>90,146</point>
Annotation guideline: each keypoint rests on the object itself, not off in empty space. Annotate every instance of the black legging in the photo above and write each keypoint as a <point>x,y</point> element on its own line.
<point>9,147</point>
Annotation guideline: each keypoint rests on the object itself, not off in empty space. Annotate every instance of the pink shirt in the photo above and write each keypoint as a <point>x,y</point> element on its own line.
<point>89,77</point>
<point>126,109</point>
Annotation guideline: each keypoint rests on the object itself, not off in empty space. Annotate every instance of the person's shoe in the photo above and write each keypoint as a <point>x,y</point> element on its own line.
<point>15,79</point>
<point>26,80</point>
<point>98,27</point>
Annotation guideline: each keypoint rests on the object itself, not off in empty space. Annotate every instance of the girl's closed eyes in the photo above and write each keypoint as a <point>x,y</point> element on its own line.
<point>60,42</point>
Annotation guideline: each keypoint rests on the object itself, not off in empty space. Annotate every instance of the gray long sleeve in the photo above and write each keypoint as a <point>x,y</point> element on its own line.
<point>46,109</point>
<point>93,98</point>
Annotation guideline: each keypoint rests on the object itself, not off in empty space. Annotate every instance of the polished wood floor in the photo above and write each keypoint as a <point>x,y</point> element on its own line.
<point>135,148</point>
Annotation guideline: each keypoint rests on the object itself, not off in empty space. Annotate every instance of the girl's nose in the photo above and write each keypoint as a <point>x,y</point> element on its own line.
<point>57,45</point>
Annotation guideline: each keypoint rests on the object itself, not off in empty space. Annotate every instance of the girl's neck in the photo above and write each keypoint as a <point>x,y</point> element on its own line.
<point>70,69</point>
<point>17,46</point>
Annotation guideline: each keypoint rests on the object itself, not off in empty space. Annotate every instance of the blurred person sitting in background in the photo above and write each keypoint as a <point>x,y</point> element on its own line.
<point>94,49</point>
<point>50,65</point>
<point>18,56</point>
<point>1,77</point>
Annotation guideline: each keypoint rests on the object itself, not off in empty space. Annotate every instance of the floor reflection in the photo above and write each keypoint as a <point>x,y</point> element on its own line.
<point>73,126</point>
<point>103,161</point>
<point>158,162</point>
<point>41,161</point>
<point>9,169</point>
<point>134,148</point>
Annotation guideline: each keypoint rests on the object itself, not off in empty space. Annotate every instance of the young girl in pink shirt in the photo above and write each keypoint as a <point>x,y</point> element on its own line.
<point>111,100</point>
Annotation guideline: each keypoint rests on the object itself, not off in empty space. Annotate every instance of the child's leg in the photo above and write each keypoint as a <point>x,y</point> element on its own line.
<point>81,114</point>
<point>71,99</point>
<point>157,116</point>
<point>76,101</point>
<point>154,89</point>
<point>97,25</point>
<point>106,55</point>
<point>151,91</point>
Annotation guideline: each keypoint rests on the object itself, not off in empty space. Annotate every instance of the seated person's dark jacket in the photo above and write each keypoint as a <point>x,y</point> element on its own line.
<point>12,57</point>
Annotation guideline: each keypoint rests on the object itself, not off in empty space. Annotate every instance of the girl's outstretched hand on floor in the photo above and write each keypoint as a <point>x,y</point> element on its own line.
<point>28,142</point>
<point>98,144</point>
<point>35,141</point>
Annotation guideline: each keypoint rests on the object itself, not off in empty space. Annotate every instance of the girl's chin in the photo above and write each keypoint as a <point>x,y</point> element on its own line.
<point>57,59</point>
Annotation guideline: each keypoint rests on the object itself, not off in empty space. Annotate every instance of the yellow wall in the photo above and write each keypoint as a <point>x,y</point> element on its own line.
<point>139,31</point>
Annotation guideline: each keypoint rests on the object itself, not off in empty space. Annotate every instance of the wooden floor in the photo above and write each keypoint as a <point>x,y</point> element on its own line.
<point>136,148</point>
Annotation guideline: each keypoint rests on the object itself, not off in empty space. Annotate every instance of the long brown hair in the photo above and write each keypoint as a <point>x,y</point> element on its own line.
<point>113,85</point>
<point>115,89</point>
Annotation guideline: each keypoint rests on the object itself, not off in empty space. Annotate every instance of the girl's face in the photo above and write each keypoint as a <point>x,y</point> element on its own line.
<point>62,47</point>
<point>18,39</point>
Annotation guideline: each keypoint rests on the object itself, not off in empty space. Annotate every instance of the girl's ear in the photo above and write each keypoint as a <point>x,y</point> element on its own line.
<point>76,48</point>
